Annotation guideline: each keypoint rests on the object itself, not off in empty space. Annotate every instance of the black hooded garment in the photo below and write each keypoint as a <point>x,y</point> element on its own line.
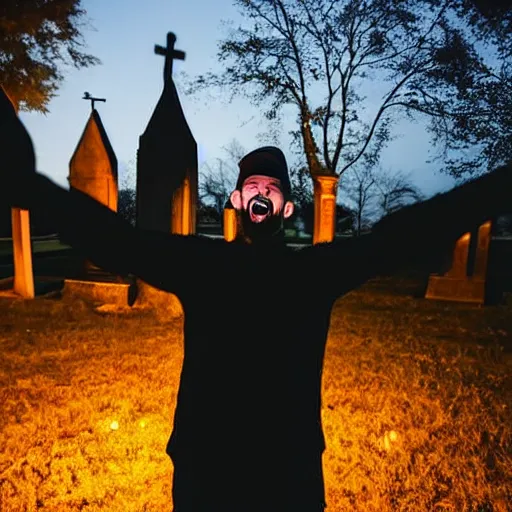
<point>247,430</point>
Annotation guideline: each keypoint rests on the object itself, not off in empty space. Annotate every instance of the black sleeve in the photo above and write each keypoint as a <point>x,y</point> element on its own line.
<point>163,260</point>
<point>420,235</point>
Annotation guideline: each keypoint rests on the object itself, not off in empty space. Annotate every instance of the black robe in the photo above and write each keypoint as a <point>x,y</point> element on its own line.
<point>247,428</point>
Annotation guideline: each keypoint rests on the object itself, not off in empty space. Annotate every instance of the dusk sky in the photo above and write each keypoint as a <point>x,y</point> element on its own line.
<point>122,34</point>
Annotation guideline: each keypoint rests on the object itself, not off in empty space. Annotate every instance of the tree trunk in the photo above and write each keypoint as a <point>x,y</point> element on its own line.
<point>310,148</point>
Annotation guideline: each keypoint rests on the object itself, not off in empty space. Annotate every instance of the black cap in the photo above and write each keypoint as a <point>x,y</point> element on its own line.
<point>267,161</point>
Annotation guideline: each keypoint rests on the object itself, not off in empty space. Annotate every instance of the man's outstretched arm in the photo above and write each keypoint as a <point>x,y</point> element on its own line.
<point>419,235</point>
<point>161,259</point>
<point>94,230</point>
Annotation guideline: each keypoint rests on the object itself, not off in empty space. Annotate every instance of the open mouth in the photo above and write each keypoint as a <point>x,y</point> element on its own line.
<point>259,209</point>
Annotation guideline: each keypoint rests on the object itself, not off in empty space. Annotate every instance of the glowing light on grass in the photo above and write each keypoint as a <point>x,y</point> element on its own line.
<point>114,425</point>
<point>142,424</point>
<point>389,438</point>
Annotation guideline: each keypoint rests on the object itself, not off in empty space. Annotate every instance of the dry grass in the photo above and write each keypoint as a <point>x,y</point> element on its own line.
<point>417,406</point>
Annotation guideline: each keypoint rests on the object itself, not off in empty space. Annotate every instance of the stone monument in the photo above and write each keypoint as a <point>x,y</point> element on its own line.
<point>93,166</point>
<point>166,176</point>
<point>325,207</point>
<point>22,284</point>
<point>230,224</point>
<point>465,281</point>
<point>93,171</point>
<point>167,161</point>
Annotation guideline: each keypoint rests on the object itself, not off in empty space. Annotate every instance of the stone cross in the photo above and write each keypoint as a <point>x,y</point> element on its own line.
<point>166,176</point>
<point>170,54</point>
<point>87,96</point>
<point>167,161</point>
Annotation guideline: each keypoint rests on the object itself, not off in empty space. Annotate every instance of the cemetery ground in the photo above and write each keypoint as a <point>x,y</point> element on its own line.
<point>417,404</point>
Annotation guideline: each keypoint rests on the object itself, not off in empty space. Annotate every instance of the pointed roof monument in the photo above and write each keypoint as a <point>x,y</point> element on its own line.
<point>93,166</point>
<point>167,160</point>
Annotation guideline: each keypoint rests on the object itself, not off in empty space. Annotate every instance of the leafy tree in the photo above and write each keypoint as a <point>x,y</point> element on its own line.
<point>127,205</point>
<point>489,19</point>
<point>319,56</point>
<point>476,130</point>
<point>127,197</point>
<point>38,37</point>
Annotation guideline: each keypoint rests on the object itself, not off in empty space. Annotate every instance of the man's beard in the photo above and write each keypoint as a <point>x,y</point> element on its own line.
<point>259,221</point>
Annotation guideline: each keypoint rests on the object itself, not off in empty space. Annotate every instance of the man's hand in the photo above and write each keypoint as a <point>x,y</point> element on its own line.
<point>18,160</point>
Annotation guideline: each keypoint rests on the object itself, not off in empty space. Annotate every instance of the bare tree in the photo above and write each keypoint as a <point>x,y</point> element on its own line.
<point>127,202</point>
<point>359,189</point>
<point>235,152</point>
<point>216,184</point>
<point>373,193</point>
<point>217,181</point>
<point>319,55</point>
<point>395,190</point>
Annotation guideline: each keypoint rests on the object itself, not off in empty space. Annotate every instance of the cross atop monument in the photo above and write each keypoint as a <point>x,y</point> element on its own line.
<point>170,54</point>
<point>87,96</point>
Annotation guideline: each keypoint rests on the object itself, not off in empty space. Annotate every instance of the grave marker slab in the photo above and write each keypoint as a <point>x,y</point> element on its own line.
<point>23,280</point>
<point>460,283</point>
<point>229,222</point>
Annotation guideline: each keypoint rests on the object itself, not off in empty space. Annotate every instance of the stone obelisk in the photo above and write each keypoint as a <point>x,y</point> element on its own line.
<point>166,176</point>
<point>167,161</point>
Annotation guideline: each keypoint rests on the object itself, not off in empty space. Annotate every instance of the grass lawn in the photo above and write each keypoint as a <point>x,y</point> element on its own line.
<point>417,399</point>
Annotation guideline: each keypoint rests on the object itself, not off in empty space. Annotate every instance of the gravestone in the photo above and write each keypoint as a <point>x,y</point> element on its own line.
<point>465,281</point>
<point>167,161</point>
<point>325,188</point>
<point>229,222</point>
<point>93,166</point>
<point>166,175</point>
<point>22,283</point>
<point>93,171</point>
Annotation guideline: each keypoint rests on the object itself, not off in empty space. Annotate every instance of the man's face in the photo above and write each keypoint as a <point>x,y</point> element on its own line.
<point>262,197</point>
<point>262,205</point>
